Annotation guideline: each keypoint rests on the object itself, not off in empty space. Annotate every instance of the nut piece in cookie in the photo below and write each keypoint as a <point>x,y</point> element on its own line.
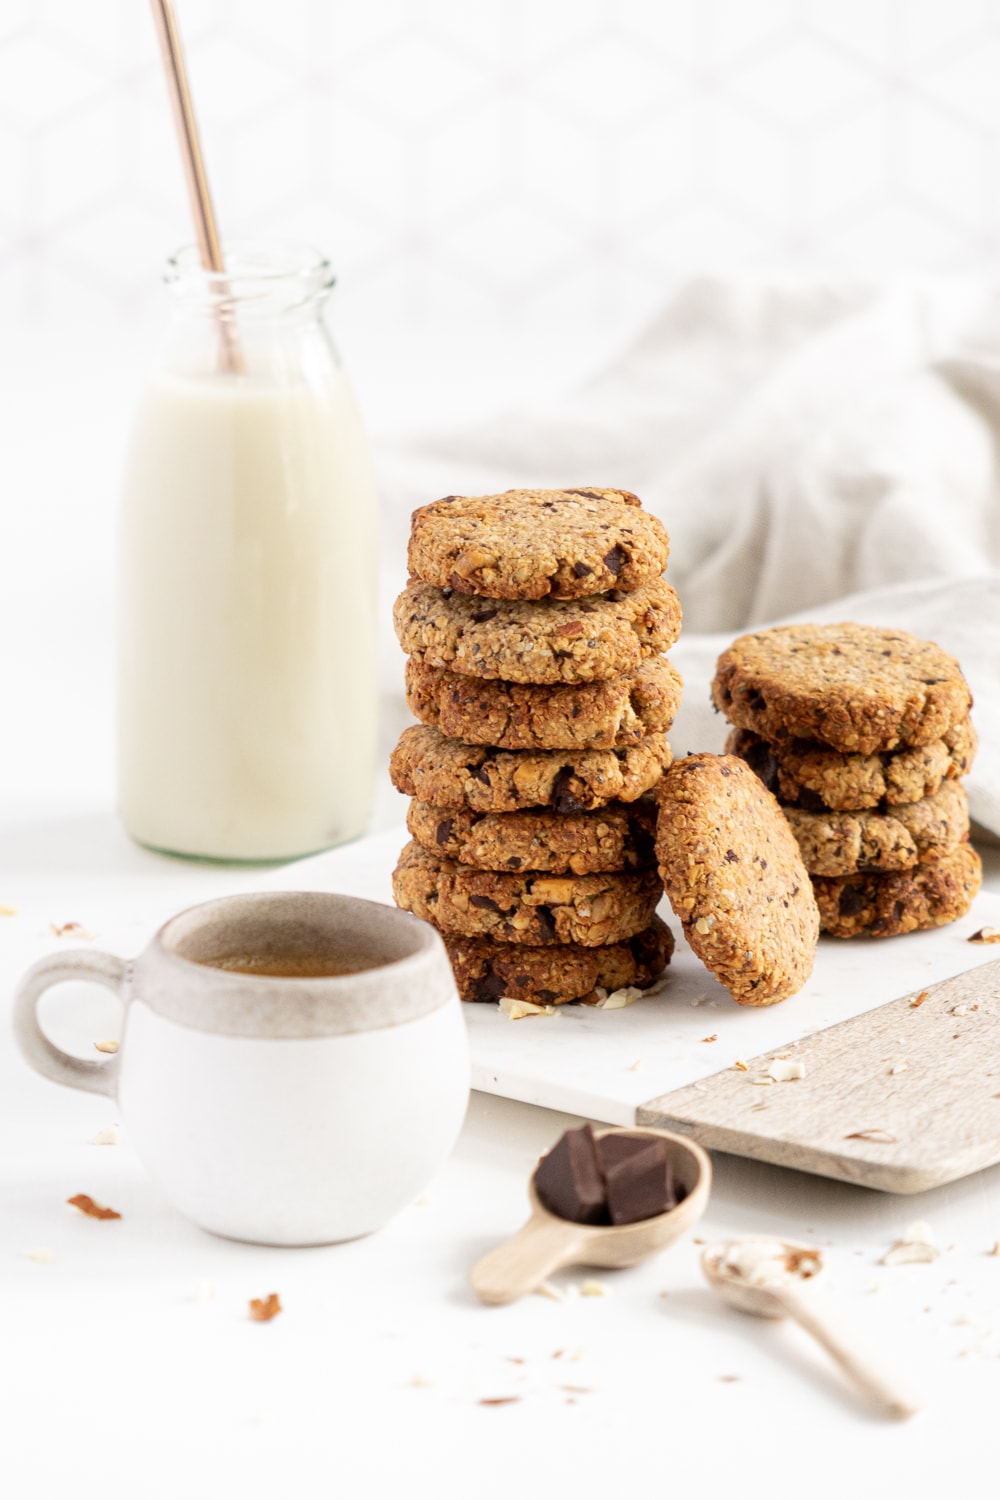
<point>734,875</point>
<point>932,894</point>
<point>531,908</point>
<point>529,544</point>
<point>860,689</point>
<point>486,970</point>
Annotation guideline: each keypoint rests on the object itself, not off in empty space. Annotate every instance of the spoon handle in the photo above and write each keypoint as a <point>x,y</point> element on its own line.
<point>523,1262</point>
<point>857,1363</point>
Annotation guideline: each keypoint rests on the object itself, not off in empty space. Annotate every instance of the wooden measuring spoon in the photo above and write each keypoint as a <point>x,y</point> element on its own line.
<point>790,1294</point>
<point>546,1242</point>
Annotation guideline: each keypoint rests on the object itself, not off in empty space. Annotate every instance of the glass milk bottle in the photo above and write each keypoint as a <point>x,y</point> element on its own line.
<point>247,633</point>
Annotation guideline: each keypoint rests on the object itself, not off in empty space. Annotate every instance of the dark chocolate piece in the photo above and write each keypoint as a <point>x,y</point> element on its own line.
<point>636,1177</point>
<point>568,1180</point>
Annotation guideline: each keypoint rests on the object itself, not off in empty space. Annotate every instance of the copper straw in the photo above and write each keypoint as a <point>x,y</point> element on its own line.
<point>206,230</point>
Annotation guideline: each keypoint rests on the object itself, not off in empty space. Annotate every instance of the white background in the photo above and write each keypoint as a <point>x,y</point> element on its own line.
<point>506,191</point>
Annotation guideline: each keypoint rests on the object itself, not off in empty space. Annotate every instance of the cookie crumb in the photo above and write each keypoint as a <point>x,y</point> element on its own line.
<point>985,935</point>
<point>740,1065</point>
<point>263,1309</point>
<point>915,1245</point>
<point>85,1203</point>
<point>109,1136</point>
<point>41,1256</point>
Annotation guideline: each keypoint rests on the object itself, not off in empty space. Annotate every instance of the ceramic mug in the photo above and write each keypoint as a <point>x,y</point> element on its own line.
<point>281,1110</point>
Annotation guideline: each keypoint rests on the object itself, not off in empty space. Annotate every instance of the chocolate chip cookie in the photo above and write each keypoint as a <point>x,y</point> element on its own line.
<point>516,716</point>
<point>847,842</point>
<point>806,774</point>
<point>860,689</point>
<point>591,910</point>
<point>929,895</point>
<point>427,765</point>
<point>619,837</point>
<point>584,640</point>
<point>734,875</point>
<point>533,544</point>
<point>486,970</point>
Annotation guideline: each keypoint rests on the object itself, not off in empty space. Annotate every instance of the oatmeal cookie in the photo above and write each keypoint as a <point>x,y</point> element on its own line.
<point>516,716</point>
<point>580,640</point>
<point>618,837</point>
<point>857,688</point>
<point>848,842</point>
<point>447,773</point>
<point>591,910</point>
<point>734,875</point>
<point>804,773</point>
<point>532,544</point>
<point>486,970</point>
<point>930,895</point>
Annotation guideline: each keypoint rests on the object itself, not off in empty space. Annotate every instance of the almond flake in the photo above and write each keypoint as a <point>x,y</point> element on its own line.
<point>41,1256</point>
<point>7,911</point>
<point>899,1067</point>
<point>516,1010</point>
<point>740,1065</point>
<point>106,1046</point>
<point>109,1136</point>
<point>996,1248</point>
<point>71,929</point>
<point>959,1010</point>
<point>985,935</point>
<point>263,1309</point>
<point>785,1069</point>
<point>918,999</point>
<point>618,999</point>
<point>636,1066</point>
<point>915,1245</point>
<point>592,1289</point>
<point>762,1080</point>
<point>497,1400</point>
<point>713,1038</point>
<point>553,1293</point>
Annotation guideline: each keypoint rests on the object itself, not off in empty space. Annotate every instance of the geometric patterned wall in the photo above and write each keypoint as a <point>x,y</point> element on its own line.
<point>513,167</point>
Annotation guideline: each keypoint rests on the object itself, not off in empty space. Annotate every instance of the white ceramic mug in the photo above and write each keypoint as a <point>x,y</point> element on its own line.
<point>286,1111</point>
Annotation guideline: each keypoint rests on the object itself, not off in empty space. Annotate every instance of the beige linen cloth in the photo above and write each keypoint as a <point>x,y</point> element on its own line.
<point>817,452</point>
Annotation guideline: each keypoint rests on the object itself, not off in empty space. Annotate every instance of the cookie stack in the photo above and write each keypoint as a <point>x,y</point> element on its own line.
<point>863,734</point>
<point>533,624</point>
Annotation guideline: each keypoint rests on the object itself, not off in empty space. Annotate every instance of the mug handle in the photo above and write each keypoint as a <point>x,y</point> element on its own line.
<point>44,1056</point>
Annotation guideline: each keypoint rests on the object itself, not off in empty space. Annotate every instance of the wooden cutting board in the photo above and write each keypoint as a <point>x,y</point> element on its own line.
<point>903,1098</point>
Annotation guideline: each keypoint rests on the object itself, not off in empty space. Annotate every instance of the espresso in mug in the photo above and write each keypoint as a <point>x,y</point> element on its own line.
<point>293,965</point>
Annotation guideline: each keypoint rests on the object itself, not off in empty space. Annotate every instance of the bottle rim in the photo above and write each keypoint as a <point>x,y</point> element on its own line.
<point>275,275</point>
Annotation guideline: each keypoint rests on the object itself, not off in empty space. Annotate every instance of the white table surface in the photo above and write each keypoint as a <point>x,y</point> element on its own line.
<point>122,1378</point>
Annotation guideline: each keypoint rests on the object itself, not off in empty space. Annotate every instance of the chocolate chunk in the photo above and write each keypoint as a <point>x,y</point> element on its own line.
<point>443,831</point>
<point>762,761</point>
<point>490,986</point>
<point>615,560</point>
<point>581,570</point>
<point>568,1180</point>
<point>811,801</point>
<point>637,1177</point>
<point>546,924</point>
<point>852,901</point>
<point>563,799</point>
<point>482,615</point>
<point>485,903</point>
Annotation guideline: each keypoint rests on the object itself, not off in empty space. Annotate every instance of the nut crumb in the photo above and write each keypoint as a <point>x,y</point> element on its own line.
<point>959,1010</point>
<point>618,999</point>
<point>914,1245</point>
<point>109,1136</point>
<point>713,1038</point>
<point>41,1256</point>
<point>516,1010</point>
<point>592,1289</point>
<point>899,1067</point>
<point>108,1046</point>
<point>985,935</point>
<point>71,929</point>
<point>740,1065</point>
<point>786,1069</point>
<point>263,1309</point>
<point>553,1293</point>
<point>762,1080</point>
<point>880,1137</point>
<point>85,1203</point>
<point>918,999</point>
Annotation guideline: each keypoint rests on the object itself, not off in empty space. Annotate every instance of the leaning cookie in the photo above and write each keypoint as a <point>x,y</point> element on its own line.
<point>859,689</point>
<point>929,895</point>
<point>734,875</point>
<point>808,774</point>
<point>517,716</point>
<point>619,837</point>
<point>579,640</point>
<point>427,765</point>
<point>844,843</point>
<point>486,970</point>
<point>592,910</point>
<point>529,544</point>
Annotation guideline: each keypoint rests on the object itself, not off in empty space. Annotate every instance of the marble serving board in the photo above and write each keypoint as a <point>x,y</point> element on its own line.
<point>611,1065</point>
